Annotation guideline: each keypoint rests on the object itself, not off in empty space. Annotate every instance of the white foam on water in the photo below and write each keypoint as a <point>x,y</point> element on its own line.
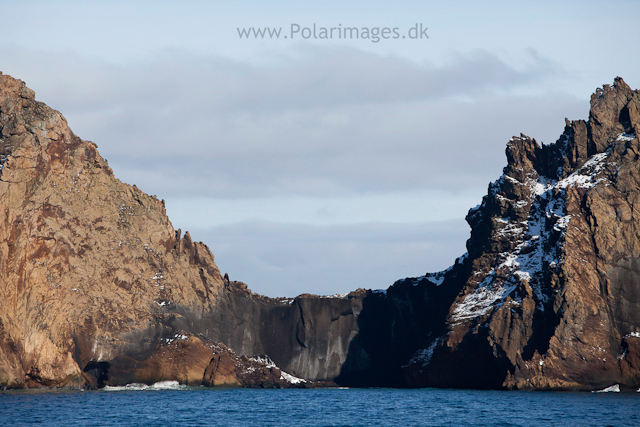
<point>611,389</point>
<point>160,385</point>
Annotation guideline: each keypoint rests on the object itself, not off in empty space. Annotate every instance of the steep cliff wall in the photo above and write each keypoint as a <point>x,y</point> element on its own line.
<point>94,277</point>
<point>98,288</point>
<point>552,298</point>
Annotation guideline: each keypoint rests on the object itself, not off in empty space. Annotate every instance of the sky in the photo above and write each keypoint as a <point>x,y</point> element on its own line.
<point>310,164</point>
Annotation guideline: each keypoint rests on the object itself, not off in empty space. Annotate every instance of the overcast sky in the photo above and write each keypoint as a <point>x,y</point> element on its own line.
<point>318,165</point>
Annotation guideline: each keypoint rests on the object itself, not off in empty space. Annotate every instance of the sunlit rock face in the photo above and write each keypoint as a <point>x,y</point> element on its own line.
<point>98,289</point>
<point>96,283</point>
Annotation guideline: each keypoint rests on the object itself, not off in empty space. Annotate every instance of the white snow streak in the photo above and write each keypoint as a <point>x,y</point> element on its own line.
<point>527,262</point>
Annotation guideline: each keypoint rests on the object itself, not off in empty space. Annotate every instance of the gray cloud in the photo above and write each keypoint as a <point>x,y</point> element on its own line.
<point>319,122</point>
<point>445,145</point>
<point>309,77</point>
<point>286,260</point>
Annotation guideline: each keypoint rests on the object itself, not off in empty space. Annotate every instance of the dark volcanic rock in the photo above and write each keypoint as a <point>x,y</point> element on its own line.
<point>552,297</point>
<point>307,336</point>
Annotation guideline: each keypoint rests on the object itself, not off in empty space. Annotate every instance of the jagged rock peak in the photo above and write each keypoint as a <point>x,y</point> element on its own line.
<point>614,110</point>
<point>549,297</point>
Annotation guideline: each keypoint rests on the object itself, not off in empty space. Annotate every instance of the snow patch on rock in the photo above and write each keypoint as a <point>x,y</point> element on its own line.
<point>437,278</point>
<point>538,240</point>
<point>424,355</point>
<point>266,360</point>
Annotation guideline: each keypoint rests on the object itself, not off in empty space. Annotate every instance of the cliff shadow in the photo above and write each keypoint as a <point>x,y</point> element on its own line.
<point>392,326</point>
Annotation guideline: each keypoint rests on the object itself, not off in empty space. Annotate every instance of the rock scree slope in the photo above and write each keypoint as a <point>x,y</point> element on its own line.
<point>99,289</point>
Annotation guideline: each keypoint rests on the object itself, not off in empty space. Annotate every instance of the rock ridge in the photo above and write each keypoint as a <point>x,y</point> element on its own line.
<point>100,289</point>
<point>551,297</point>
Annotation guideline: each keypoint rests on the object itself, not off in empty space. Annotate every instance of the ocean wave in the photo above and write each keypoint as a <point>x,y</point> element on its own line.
<point>612,389</point>
<point>160,385</point>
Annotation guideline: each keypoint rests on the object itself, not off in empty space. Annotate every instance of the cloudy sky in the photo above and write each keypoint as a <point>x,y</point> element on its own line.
<point>311,164</point>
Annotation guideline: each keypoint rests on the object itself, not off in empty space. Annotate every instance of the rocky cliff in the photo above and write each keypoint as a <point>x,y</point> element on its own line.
<point>94,279</point>
<point>99,289</point>
<point>549,291</point>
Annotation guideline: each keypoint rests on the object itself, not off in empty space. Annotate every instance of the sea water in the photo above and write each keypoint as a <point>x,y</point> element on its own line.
<point>168,404</point>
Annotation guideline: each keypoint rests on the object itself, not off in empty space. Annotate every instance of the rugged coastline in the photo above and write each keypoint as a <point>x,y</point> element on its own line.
<point>99,289</point>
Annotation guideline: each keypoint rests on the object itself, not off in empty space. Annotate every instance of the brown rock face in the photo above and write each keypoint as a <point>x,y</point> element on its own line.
<point>94,279</point>
<point>84,259</point>
<point>552,298</point>
<point>99,289</point>
<point>221,371</point>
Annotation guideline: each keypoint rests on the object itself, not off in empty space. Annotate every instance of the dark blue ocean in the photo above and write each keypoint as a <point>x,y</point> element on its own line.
<point>182,406</point>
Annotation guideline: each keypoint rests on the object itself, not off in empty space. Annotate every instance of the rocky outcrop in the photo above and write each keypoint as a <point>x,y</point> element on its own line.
<point>99,289</point>
<point>551,299</point>
<point>94,278</point>
<point>227,369</point>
